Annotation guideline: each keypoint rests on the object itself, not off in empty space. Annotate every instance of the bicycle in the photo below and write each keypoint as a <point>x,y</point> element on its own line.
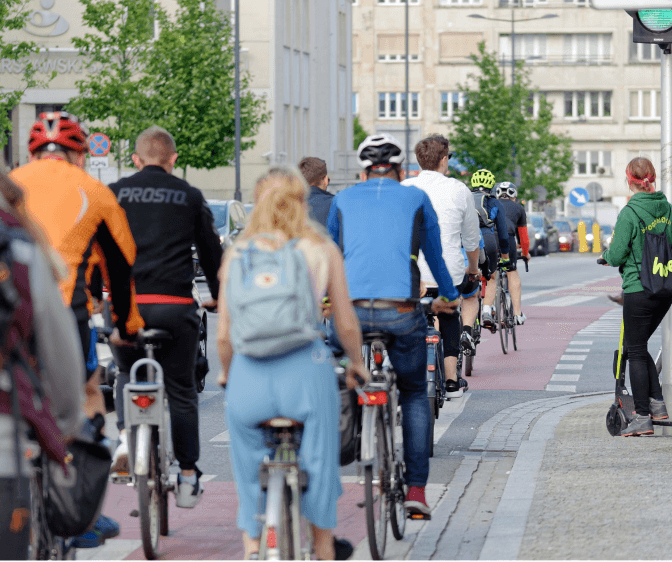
<point>381,457</point>
<point>284,482</point>
<point>465,359</point>
<point>149,452</point>
<point>436,376</point>
<point>504,317</point>
<point>44,545</point>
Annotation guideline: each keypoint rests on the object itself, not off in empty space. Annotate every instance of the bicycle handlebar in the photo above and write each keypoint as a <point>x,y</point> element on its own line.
<point>602,261</point>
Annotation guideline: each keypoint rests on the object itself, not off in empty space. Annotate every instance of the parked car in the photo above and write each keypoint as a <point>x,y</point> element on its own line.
<point>531,234</point>
<point>569,241</point>
<point>546,237</point>
<point>607,232</point>
<point>230,218</point>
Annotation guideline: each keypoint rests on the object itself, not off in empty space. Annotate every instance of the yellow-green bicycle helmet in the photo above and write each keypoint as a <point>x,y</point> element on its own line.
<point>482,179</point>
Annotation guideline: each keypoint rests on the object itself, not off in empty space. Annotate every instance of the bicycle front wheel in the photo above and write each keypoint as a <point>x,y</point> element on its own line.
<point>376,483</point>
<point>150,503</point>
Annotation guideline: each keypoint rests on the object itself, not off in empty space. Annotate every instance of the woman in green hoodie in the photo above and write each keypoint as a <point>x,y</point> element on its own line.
<point>641,314</point>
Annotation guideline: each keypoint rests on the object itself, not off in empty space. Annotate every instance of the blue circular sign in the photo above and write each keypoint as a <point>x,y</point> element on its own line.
<point>99,144</point>
<point>579,197</point>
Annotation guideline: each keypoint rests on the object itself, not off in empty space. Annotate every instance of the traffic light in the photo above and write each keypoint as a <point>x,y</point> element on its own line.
<point>651,26</point>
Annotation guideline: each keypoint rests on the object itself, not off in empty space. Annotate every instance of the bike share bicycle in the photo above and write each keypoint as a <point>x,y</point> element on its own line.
<point>150,456</point>
<point>503,315</point>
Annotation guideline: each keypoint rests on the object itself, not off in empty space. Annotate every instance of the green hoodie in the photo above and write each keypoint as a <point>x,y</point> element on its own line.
<point>654,210</point>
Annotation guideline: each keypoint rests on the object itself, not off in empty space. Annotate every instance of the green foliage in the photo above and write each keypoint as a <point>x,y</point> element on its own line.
<point>497,117</point>
<point>192,70</point>
<point>117,50</point>
<point>13,16</point>
<point>359,134</point>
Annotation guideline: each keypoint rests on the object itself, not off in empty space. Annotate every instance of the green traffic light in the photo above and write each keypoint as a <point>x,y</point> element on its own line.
<point>658,21</point>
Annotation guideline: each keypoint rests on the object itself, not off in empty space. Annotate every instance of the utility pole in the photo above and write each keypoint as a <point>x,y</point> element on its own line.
<point>238,196</point>
<point>408,98</point>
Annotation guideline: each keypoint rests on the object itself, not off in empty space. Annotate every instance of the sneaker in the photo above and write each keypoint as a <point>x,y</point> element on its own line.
<point>467,343</point>
<point>343,549</point>
<point>520,319</point>
<point>415,501</point>
<point>658,409</point>
<point>120,458</point>
<point>640,425</point>
<point>105,528</point>
<point>487,321</point>
<point>462,383</point>
<point>188,494</point>
<point>453,389</point>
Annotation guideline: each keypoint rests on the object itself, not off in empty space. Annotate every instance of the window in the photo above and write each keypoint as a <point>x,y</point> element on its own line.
<point>46,108</point>
<point>392,105</point>
<point>643,52</point>
<point>458,45</point>
<point>592,162</point>
<point>645,104</point>
<point>532,108</point>
<point>392,48</point>
<point>355,103</point>
<point>450,103</point>
<point>542,3</point>
<point>587,104</point>
<point>526,46</point>
<point>461,2</point>
<point>396,2</point>
<point>586,48</point>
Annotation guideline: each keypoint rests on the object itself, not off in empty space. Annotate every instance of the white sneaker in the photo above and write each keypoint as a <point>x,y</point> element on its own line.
<point>187,494</point>
<point>520,320</point>
<point>120,458</point>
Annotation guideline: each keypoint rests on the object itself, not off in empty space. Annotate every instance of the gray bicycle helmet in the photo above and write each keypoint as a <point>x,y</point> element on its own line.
<point>380,151</point>
<point>506,188</point>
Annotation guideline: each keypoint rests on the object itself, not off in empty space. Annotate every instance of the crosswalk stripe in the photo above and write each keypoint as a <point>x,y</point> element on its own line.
<point>561,387</point>
<point>558,377</point>
<point>566,301</point>
<point>578,366</point>
<point>573,357</point>
<point>222,437</point>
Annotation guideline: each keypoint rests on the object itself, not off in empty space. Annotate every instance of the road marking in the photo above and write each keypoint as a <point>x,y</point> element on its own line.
<point>573,357</point>
<point>224,436</point>
<point>577,350</point>
<point>452,410</point>
<point>569,366</point>
<point>565,301</point>
<point>113,549</point>
<point>561,388</point>
<point>559,377</point>
<point>581,343</point>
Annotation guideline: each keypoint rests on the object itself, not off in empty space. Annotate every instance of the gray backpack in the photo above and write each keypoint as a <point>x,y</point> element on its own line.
<point>270,299</point>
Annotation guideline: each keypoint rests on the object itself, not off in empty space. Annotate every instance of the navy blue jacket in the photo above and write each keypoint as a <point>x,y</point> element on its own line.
<point>319,203</point>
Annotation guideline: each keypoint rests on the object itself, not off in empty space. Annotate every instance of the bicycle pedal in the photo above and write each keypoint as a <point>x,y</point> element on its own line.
<point>420,516</point>
<point>120,478</point>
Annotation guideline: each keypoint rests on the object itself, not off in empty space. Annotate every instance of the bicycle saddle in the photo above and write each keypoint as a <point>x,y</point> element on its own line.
<point>154,335</point>
<point>370,337</point>
<point>281,422</point>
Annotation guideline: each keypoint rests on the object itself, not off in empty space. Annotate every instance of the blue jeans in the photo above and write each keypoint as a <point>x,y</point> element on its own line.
<point>408,354</point>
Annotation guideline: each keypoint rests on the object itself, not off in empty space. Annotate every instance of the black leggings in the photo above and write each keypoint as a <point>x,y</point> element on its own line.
<point>641,316</point>
<point>14,539</point>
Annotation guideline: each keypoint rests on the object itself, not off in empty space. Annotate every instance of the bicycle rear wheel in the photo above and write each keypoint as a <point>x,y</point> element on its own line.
<point>397,494</point>
<point>432,423</point>
<point>149,500</point>
<point>376,483</point>
<point>500,310</point>
<point>468,364</point>
<point>511,320</point>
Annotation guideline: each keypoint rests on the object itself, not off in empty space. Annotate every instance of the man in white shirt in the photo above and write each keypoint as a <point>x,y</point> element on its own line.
<point>458,220</point>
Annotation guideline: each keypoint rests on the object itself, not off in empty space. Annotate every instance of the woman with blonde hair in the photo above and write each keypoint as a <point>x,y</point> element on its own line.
<point>647,211</point>
<point>300,383</point>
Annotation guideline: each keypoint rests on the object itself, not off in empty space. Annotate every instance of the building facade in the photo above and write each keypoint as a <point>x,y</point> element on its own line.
<point>298,53</point>
<point>605,90</point>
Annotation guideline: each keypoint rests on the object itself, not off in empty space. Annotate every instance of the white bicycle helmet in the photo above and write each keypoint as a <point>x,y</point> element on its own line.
<point>380,150</point>
<point>506,188</point>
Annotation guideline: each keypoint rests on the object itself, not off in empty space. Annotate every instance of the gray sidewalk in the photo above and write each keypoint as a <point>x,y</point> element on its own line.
<point>545,480</point>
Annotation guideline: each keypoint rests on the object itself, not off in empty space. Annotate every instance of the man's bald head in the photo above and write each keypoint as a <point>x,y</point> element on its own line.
<point>155,147</point>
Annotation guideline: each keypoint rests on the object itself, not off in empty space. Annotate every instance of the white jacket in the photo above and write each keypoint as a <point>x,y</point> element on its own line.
<point>454,207</point>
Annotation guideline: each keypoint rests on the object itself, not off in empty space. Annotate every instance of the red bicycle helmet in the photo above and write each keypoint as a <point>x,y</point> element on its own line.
<point>56,131</point>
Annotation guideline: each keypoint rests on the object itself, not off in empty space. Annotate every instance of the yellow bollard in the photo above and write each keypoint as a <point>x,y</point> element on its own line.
<point>583,244</point>
<point>597,244</point>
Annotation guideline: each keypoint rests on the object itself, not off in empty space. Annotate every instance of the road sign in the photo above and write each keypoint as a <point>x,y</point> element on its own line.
<point>651,26</point>
<point>578,197</point>
<point>98,162</point>
<point>629,4</point>
<point>99,144</point>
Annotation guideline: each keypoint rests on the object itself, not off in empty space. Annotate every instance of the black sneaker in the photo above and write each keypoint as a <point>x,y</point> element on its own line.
<point>453,389</point>
<point>462,383</point>
<point>467,343</point>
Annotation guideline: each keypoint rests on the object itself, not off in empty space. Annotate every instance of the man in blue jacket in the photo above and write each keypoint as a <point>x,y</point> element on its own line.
<point>319,201</point>
<point>381,225</point>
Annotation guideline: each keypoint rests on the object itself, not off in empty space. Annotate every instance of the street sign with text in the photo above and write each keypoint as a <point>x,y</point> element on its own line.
<point>630,4</point>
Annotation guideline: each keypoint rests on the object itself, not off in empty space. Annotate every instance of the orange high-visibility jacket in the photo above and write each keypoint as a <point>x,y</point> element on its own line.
<point>85,224</point>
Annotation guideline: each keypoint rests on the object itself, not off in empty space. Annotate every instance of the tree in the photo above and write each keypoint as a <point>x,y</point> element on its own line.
<point>359,134</point>
<point>13,16</point>
<point>116,93</point>
<point>497,119</point>
<point>191,67</point>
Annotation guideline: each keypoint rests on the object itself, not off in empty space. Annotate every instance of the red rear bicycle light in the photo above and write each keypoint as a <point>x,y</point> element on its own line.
<point>143,400</point>
<point>375,398</point>
<point>431,367</point>
<point>378,358</point>
<point>271,538</point>
<point>432,339</point>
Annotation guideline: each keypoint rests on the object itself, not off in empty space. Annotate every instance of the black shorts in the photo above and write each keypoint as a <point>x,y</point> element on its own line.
<point>491,249</point>
<point>513,252</point>
<point>85,338</point>
<point>468,288</point>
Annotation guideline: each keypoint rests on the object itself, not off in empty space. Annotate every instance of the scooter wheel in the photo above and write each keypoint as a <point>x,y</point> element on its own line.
<point>616,420</point>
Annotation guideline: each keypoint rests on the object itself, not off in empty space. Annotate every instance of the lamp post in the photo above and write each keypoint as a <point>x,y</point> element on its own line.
<point>513,20</point>
<point>408,98</point>
<point>237,194</point>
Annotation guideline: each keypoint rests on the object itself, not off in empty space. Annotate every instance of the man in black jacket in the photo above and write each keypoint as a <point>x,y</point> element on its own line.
<point>319,202</point>
<point>167,216</point>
